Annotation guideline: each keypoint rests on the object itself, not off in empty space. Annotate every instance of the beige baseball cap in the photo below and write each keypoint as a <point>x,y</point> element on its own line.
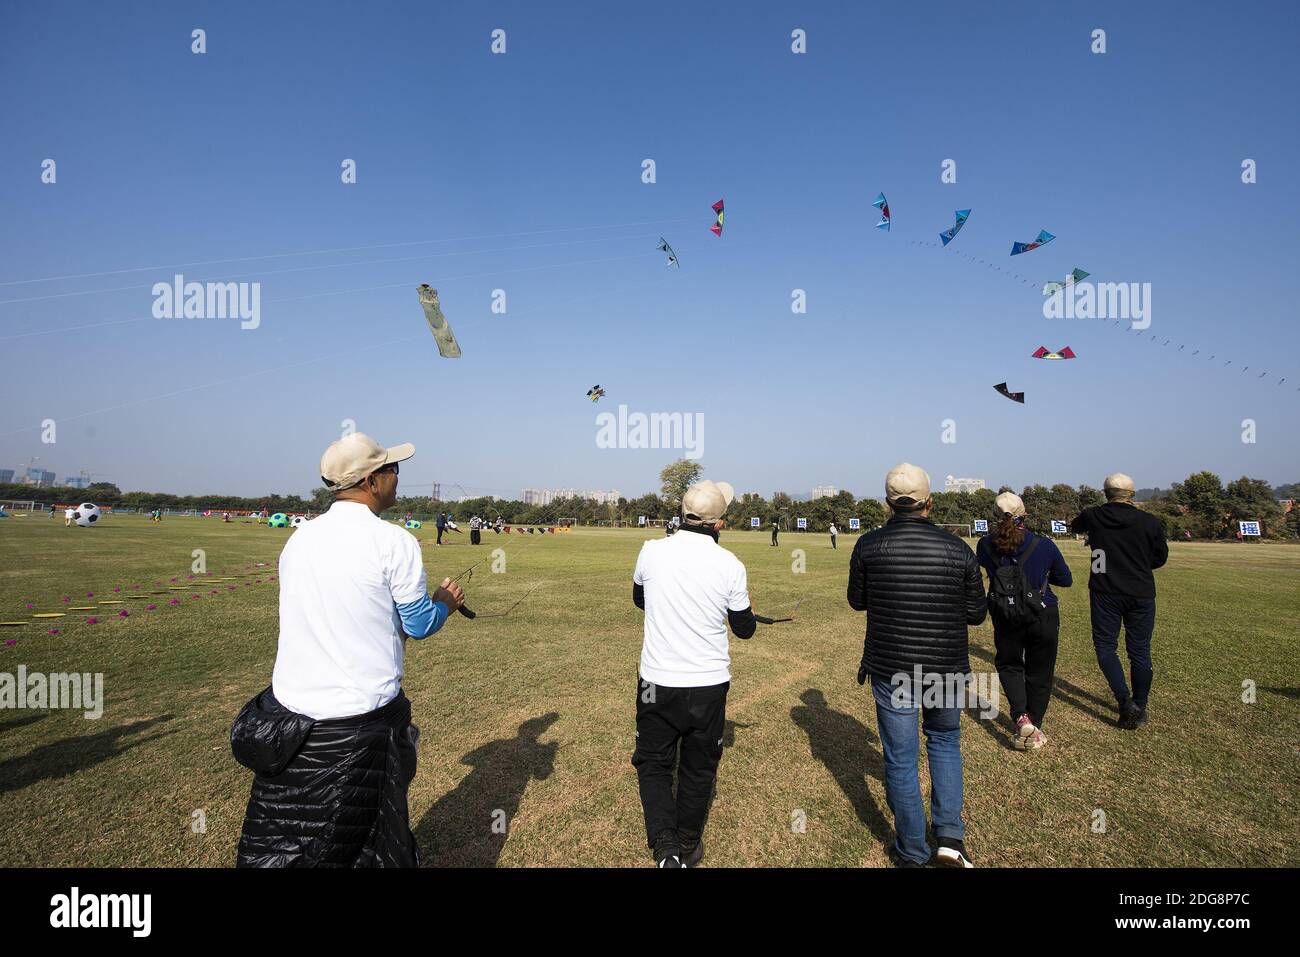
<point>907,486</point>
<point>353,457</point>
<point>1119,487</point>
<point>1009,503</point>
<point>707,501</point>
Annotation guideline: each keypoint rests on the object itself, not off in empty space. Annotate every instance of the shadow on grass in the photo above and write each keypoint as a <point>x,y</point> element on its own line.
<point>849,750</point>
<point>461,828</point>
<point>60,758</point>
<point>19,722</point>
<point>1066,691</point>
<point>1292,693</point>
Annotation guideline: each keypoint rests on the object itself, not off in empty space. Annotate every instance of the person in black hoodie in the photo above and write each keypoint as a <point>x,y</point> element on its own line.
<point>1026,654</point>
<point>1127,544</point>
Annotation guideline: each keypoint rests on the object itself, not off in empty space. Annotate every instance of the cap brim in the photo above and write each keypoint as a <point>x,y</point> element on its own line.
<point>399,453</point>
<point>727,491</point>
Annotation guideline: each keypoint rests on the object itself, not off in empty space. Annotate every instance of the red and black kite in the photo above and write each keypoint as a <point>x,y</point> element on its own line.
<point>1042,353</point>
<point>1013,396</point>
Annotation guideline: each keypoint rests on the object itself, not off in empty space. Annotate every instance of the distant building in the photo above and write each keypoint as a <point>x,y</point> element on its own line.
<point>954,484</point>
<point>6,476</point>
<point>825,491</point>
<point>76,481</point>
<point>545,496</point>
<point>41,478</point>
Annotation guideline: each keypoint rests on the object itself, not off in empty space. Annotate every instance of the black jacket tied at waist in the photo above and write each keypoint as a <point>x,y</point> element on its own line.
<point>920,587</point>
<point>326,793</point>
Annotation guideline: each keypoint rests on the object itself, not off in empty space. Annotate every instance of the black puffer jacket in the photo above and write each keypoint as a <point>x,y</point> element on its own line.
<point>920,587</point>
<point>326,793</point>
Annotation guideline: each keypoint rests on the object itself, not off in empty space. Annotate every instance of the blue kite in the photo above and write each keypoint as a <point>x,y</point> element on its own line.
<point>948,235</point>
<point>1044,237</point>
<point>882,204</point>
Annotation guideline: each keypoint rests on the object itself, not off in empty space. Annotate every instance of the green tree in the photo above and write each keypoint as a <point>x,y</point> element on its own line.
<point>676,478</point>
<point>1203,497</point>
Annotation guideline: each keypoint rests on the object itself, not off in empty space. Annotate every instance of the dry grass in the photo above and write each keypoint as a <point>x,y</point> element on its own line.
<point>532,715</point>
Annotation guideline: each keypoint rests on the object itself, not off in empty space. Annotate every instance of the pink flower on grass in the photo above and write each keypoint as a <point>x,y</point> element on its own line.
<point>118,588</point>
<point>90,594</point>
<point>150,607</point>
<point>11,642</point>
<point>173,581</point>
<point>92,621</point>
<point>123,614</point>
<point>54,631</point>
<point>29,606</point>
<point>66,599</point>
<point>196,596</point>
<point>174,601</point>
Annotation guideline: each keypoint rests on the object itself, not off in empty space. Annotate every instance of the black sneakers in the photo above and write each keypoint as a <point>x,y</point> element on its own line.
<point>693,857</point>
<point>952,853</point>
<point>1131,717</point>
<point>672,860</point>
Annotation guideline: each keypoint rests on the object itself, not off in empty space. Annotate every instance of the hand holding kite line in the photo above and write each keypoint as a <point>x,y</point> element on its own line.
<point>451,595</point>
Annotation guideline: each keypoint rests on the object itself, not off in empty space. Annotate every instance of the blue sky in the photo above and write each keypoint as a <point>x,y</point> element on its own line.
<point>1131,158</point>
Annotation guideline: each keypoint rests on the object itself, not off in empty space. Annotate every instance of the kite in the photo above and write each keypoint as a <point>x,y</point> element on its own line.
<point>595,392</point>
<point>882,204</point>
<point>948,235</point>
<point>1042,353</point>
<point>672,256</point>
<point>448,348</point>
<point>1044,237</point>
<point>716,228</point>
<point>1013,396</point>
<point>1076,275</point>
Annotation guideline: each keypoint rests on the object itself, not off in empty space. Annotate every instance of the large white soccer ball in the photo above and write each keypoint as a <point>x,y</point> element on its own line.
<point>298,520</point>
<point>86,514</point>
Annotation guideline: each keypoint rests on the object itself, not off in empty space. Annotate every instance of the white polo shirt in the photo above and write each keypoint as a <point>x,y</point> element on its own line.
<point>341,577</point>
<point>690,582</point>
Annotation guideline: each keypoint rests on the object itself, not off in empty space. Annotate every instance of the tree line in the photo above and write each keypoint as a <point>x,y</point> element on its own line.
<point>1200,507</point>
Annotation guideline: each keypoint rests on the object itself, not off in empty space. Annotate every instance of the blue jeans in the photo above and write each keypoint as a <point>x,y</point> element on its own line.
<point>900,743</point>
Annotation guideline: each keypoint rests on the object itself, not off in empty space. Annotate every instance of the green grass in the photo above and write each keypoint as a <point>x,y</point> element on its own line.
<point>532,714</point>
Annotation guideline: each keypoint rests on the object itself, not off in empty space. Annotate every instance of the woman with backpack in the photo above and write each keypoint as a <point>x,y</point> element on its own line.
<point>1022,568</point>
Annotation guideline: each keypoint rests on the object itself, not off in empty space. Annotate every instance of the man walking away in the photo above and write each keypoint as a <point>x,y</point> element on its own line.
<point>442,526</point>
<point>834,532</point>
<point>921,588</point>
<point>774,532</point>
<point>690,588</point>
<point>331,741</point>
<point>1127,544</point>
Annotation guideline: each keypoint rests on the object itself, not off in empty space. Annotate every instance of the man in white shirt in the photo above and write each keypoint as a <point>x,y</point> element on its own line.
<point>690,588</point>
<point>331,741</point>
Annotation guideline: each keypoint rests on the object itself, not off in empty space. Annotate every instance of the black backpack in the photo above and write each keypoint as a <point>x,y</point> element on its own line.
<point>1012,600</point>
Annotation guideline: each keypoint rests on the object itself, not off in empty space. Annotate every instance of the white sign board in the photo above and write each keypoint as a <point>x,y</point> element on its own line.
<point>855,524</point>
<point>1059,528</point>
<point>981,524</point>
<point>640,519</point>
<point>801,523</point>
<point>1249,528</point>
<point>754,522</point>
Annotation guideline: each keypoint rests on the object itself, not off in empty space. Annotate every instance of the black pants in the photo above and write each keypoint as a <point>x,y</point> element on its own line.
<point>1138,615</point>
<point>774,536</point>
<point>668,720</point>
<point>833,541</point>
<point>1026,662</point>
<point>474,536</point>
<point>440,530</point>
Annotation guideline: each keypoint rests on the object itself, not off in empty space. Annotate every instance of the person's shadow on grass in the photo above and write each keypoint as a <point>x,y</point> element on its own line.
<point>468,826</point>
<point>848,749</point>
<point>60,758</point>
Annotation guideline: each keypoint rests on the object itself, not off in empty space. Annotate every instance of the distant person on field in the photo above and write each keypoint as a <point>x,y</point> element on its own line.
<point>331,740</point>
<point>442,526</point>
<point>834,532</point>
<point>774,531</point>
<point>921,589</point>
<point>691,589</point>
<point>1127,545</point>
<point>1026,643</point>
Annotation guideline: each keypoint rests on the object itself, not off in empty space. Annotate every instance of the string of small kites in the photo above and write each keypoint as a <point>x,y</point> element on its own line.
<point>1116,323</point>
<point>123,595</point>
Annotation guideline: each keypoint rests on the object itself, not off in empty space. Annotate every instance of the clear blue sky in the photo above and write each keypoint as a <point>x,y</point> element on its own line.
<point>1131,158</point>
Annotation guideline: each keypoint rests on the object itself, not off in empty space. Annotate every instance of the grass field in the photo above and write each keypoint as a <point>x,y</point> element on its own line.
<point>532,714</point>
